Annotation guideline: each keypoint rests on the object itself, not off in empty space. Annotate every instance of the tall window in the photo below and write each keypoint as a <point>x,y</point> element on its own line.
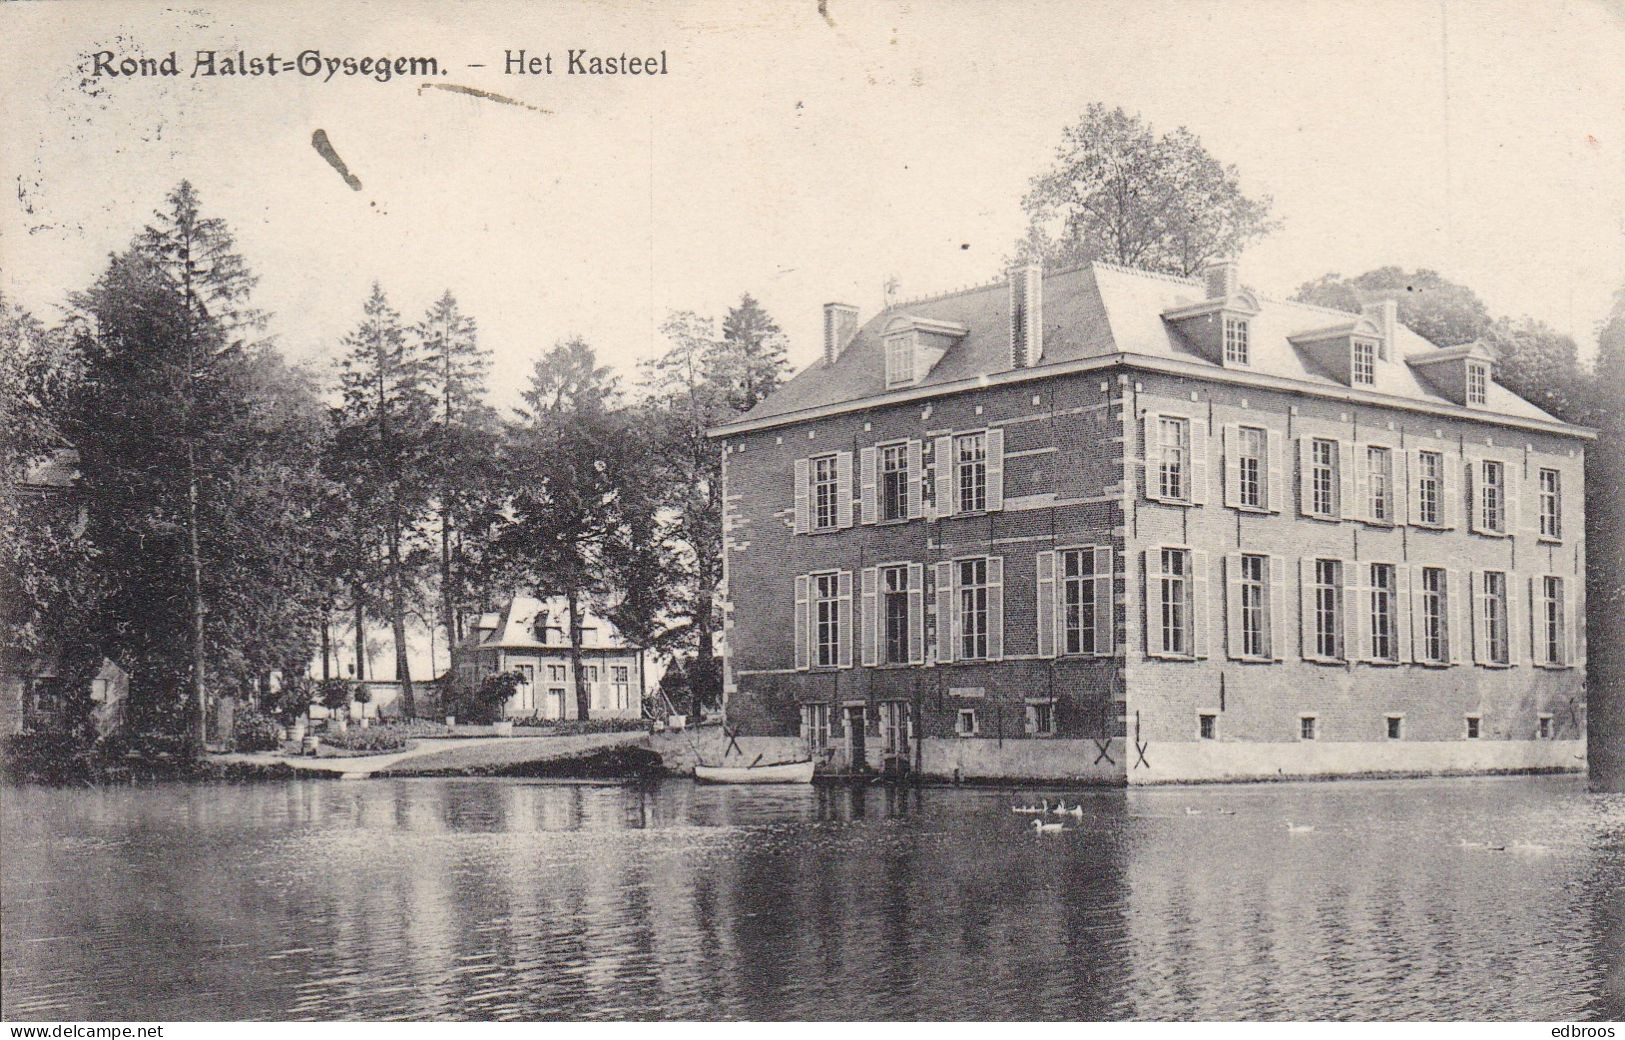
<point>1174,438</point>
<point>1235,341</point>
<point>1435,648</point>
<point>1254,630</point>
<point>816,718</point>
<point>1384,613</point>
<point>1551,504</point>
<point>1429,487</point>
<point>1552,620</point>
<point>1323,477</point>
<point>899,360</point>
<point>972,608</point>
<point>620,676</point>
<point>825,487</point>
<point>1251,463</point>
<point>1492,495</point>
<point>1365,362</point>
<point>970,452</point>
<point>1495,618</point>
<point>1078,601</point>
<point>894,482</point>
<point>894,614</point>
<point>1175,598</point>
<point>1380,467</point>
<point>826,620</point>
<point>1478,383</point>
<point>1328,599</point>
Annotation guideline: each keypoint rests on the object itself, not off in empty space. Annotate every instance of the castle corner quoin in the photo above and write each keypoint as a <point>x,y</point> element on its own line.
<point>1111,526</point>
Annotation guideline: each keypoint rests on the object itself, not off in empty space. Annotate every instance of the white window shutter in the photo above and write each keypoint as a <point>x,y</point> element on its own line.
<point>916,480</point>
<point>802,623</point>
<point>1277,619</point>
<point>1348,506</point>
<point>1154,644</point>
<point>1418,599</point>
<point>1277,459</point>
<point>1362,594</point>
<point>1199,477</point>
<point>869,619</point>
<point>1458,608</point>
<point>843,627</point>
<point>1402,613</point>
<point>1048,641</point>
<point>1512,520</point>
<point>1412,505</point>
<point>916,613</point>
<point>1349,630</point>
<point>1230,440</point>
<point>1450,491</point>
<point>1232,605</point>
<point>1362,484</point>
<point>866,469</point>
<point>803,480</point>
<point>843,489</point>
<point>1306,483</point>
<point>1514,619</point>
<point>995,608</point>
<point>1200,599</point>
<point>995,470</point>
<point>942,457</point>
<point>1475,584</point>
<point>945,612</point>
<point>806,716</point>
<point>1105,607</point>
<point>1306,608</point>
<point>1573,621</point>
<point>1475,492</point>
<point>1537,615</point>
<point>1153,456</point>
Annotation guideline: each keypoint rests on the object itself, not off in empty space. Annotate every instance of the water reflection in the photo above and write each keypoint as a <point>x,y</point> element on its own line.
<point>502,899</point>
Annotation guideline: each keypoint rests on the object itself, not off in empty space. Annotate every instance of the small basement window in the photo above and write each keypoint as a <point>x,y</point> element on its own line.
<point>1207,726</point>
<point>1308,727</point>
<point>1396,727</point>
<point>1475,726</point>
<point>966,724</point>
<point>1545,727</point>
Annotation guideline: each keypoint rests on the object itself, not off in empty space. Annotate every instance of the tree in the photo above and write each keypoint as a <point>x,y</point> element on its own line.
<point>1430,305</point>
<point>463,452</point>
<point>384,449</point>
<point>1605,554</point>
<point>1539,364</point>
<point>750,361</point>
<point>577,511</point>
<point>1118,192</point>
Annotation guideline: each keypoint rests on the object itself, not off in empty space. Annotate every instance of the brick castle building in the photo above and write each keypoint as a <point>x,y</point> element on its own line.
<point>1108,525</point>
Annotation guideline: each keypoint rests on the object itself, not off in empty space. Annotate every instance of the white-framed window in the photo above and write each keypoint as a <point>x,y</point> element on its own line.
<point>1435,642</point>
<point>1384,612</point>
<point>1494,616</point>
<point>1380,483</point>
<point>1207,726</point>
<point>1492,495</point>
<point>1235,341</point>
<point>1252,466</point>
<point>1552,627</point>
<point>965,722</point>
<point>1078,604</point>
<point>620,677</point>
<point>1478,383</point>
<point>1041,718</point>
<point>1365,362</point>
<point>815,721</point>
<point>894,617</point>
<point>1174,439</point>
<point>1174,601</point>
<point>1396,727</point>
<point>1551,504</point>
<point>1429,487</point>
<point>899,360</point>
<point>894,481</point>
<point>1328,607</point>
<point>1323,477</point>
<point>1475,727</point>
<point>826,485</point>
<point>826,619</point>
<point>1254,593</point>
<point>557,673</point>
<point>1308,727</point>
<point>973,617</point>
<point>970,471</point>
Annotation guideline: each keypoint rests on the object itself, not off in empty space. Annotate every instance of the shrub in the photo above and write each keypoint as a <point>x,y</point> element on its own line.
<point>484,703</point>
<point>335,693</point>
<point>572,727</point>
<point>295,697</point>
<point>253,731</point>
<point>373,739</point>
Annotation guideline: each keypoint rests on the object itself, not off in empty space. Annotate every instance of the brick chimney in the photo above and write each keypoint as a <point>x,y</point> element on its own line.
<point>1222,278</point>
<point>1385,315</point>
<point>840,325</point>
<point>1026,314</point>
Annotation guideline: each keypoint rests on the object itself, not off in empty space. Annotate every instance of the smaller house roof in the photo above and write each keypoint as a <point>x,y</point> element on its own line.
<point>529,623</point>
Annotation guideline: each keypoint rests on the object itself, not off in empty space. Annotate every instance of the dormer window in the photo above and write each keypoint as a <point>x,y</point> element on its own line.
<point>899,360</point>
<point>1235,341</point>
<point>1478,383</point>
<point>1365,362</point>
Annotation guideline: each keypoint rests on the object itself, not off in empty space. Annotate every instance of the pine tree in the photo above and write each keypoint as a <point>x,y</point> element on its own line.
<point>750,359</point>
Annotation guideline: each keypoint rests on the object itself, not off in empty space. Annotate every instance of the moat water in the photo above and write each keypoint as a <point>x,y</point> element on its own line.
<point>1496,898</point>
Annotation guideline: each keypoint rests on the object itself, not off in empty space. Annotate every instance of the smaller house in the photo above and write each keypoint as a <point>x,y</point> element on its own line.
<point>528,636</point>
<point>39,698</point>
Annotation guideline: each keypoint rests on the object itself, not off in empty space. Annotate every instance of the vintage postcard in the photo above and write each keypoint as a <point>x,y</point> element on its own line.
<point>816,511</point>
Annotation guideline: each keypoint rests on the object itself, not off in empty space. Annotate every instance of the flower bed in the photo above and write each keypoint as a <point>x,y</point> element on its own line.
<point>374,740</point>
<point>574,727</point>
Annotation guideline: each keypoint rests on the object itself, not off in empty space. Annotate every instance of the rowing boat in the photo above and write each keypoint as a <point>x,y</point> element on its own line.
<point>773,773</point>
